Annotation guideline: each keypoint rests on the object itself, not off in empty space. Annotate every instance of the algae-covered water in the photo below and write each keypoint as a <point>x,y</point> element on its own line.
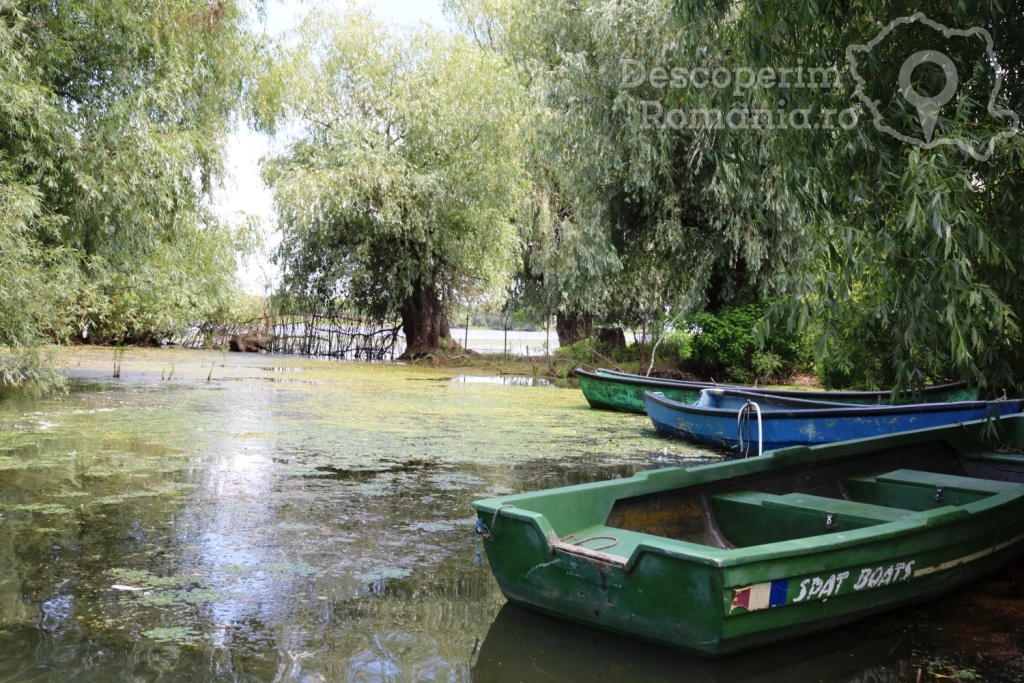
<point>210,516</point>
<point>219,516</point>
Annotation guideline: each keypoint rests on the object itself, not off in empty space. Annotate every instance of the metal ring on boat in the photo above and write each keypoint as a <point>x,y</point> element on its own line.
<point>744,413</point>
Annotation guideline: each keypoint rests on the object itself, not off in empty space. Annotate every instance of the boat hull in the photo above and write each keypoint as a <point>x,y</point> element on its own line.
<point>714,423</point>
<point>718,559</point>
<point>624,392</point>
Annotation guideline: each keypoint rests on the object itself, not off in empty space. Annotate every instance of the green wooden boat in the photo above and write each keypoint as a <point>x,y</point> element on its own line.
<point>726,557</point>
<point>623,391</point>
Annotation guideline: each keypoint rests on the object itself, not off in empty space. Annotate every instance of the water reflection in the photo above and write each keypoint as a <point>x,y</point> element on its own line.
<point>525,646</point>
<point>504,380</point>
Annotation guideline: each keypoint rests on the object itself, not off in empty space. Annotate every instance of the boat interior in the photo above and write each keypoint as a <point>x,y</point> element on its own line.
<point>811,500</point>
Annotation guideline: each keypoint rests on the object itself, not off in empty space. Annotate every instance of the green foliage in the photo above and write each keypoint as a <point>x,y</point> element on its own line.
<point>34,277</point>
<point>766,364</point>
<point>399,193</point>
<point>112,120</point>
<point>166,292</point>
<point>676,346</point>
<point>580,353</point>
<point>910,253</point>
<point>590,352</point>
<point>33,367</point>
<point>446,345</point>
<point>625,220</point>
<point>623,355</point>
<point>144,95</point>
<point>725,347</point>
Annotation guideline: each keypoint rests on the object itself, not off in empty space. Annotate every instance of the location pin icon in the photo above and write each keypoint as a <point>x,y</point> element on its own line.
<point>928,107</point>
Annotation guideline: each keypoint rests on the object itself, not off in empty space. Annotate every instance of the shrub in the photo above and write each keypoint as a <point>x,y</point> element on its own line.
<point>724,347</point>
<point>579,353</point>
<point>676,347</point>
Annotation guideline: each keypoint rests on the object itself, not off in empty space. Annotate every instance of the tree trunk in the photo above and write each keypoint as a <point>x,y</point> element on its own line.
<point>572,327</point>
<point>424,322</point>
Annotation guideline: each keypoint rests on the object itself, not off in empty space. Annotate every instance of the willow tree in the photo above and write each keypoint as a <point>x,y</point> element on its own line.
<point>113,119</point>
<point>399,194</point>
<point>29,305</point>
<point>904,170</point>
<point>629,220</point>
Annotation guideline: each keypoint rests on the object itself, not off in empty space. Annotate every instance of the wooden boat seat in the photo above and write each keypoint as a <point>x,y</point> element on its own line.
<point>948,481</point>
<point>793,515</point>
<point>917,490</point>
<point>865,512</point>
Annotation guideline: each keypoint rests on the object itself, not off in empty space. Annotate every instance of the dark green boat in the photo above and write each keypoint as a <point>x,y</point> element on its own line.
<point>623,391</point>
<point>726,557</point>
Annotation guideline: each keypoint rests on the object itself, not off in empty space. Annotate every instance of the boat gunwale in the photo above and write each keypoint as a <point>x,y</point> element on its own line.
<point>667,479</point>
<point>802,409</point>
<point>915,522</point>
<point>881,394</point>
<point>627,378</point>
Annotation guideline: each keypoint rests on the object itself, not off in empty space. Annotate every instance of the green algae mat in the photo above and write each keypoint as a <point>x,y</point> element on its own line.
<point>252,514</point>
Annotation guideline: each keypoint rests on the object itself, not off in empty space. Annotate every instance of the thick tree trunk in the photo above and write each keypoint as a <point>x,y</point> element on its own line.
<point>424,322</point>
<point>572,327</point>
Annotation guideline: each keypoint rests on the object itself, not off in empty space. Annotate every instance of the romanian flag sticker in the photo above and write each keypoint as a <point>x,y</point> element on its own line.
<point>760,596</point>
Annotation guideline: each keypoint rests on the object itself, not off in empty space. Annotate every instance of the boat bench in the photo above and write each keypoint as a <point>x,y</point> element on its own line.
<point>916,490</point>
<point>754,517</point>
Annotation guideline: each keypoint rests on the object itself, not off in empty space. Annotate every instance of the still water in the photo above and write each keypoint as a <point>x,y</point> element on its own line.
<point>212,516</point>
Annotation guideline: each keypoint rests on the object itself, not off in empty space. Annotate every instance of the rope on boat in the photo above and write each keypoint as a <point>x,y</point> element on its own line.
<point>487,532</point>
<point>614,541</point>
<point>1000,448</point>
<point>743,420</point>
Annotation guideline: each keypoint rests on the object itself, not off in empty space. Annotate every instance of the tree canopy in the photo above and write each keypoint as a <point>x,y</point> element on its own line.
<point>401,190</point>
<point>630,220</point>
<point>906,252</point>
<point>113,120</point>
<point>857,164</point>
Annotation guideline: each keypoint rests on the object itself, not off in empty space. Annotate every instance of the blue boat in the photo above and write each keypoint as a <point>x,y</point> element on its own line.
<point>747,421</point>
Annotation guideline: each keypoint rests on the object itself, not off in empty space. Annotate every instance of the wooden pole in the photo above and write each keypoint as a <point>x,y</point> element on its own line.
<point>643,338</point>
<point>547,335</point>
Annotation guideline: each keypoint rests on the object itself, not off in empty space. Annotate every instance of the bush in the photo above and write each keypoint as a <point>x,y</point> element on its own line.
<point>630,353</point>
<point>724,347</point>
<point>676,347</point>
<point>860,358</point>
<point>37,368</point>
<point>579,353</point>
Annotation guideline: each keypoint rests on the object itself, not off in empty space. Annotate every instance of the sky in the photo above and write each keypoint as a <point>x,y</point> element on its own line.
<point>244,192</point>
